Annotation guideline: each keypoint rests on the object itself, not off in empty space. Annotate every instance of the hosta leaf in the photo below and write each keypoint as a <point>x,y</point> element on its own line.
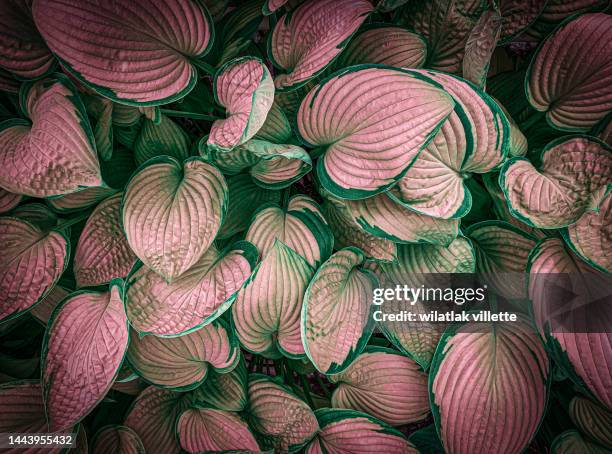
<point>8,200</point>
<point>266,312</point>
<point>56,153</point>
<point>271,6</point>
<point>351,431</point>
<point>8,83</point>
<point>158,39</point>
<point>584,355</point>
<point>194,299</point>
<point>559,192</point>
<point>32,262</point>
<point>592,419</point>
<point>276,128</point>
<point>479,47</point>
<point>36,214</point>
<point>45,308</point>
<point>278,415</point>
<point>337,313</point>
<point>474,386</point>
<point>517,15</point>
<point>347,232</point>
<point>245,198</point>
<point>23,52</point>
<point>392,46</point>
<point>307,39</point>
<point>117,439</point>
<point>208,429</point>
<point>578,94</point>
<point>84,346</point>
<point>591,236</point>
<point>474,139</point>
<point>80,200</point>
<point>414,262</point>
<point>163,138</point>
<point>153,417</point>
<point>245,89</point>
<point>501,249</point>
<point>103,130</point>
<point>103,252</point>
<point>182,363</point>
<point>572,442</point>
<point>171,213</point>
<point>227,391</point>
<point>384,119</point>
<point>300,226</point>
<point>381,216</point>
<point>384,384</point>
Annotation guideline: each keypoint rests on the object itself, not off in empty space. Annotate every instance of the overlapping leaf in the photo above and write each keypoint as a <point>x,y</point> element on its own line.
<point>159,42</point>
<point>8,200</point>
<point>572,442</point>
<point>117,439</point>
<point>45,308</point>
<point>162,138</point>
<point>224,391</point>
<point>592,419</point>
<point>479,47</point>
<point>384,117</point>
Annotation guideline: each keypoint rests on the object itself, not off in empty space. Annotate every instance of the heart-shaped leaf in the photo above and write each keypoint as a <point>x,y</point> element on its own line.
<point>392,46</point>
<point>337,314</point>
<point>384,118</point>
<point>245,89</point>
<point>590,236</point>
<point>500,249</point>
<point>266,312</point>
<point>59,132</point>
<point>577,95</point>
<point>153,417</point>
<point>300,226</point>
<point>23,52</point>
<point>32,262</point>
<point>192,300</point>
<point>159,43</point>
<point>479,47</point>
<point>381,216</point>
<point>278,415</point>
<point>474,139</point>
<point>118,439</point>
<point>560,191</point>
<point>355,432</point>
<point>384,384</point>
<point>592,419</point>
<point>579,344</point>
<point>171,213</point>
<point>84,346</point>
<point>226,391</point>
<point>307,39</point>
<point>162,138</point>
<point>473,385</point>
<point>103,252</point>
<point>208,429</point>
<point>45,308</point>
<point>182,363</point>
<point>414,263</point>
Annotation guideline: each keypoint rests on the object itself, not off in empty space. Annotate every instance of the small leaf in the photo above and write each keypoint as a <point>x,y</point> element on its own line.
<point>162,138</point>
<point>225,391</point>
<point>572,442</point>
<point>8,200</point>
<point>117,439</point>
<point>276,128</point>
<point>592,419</point>
<point>76,201</point>
<point>45,308</point>
<point>480,46</point>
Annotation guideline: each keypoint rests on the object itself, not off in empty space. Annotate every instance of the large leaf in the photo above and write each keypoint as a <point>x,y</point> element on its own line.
<point>208,429</point>
<point>192,300</point>
<point>579,344</point>
<point>392,46</point>
<point>56,153</point>
<point>227,391</point>
<point>479,47</point>
<point>560,191</point>
<point>414,263</point>
<point>158,39</point>
<point>84,346</point>
<point>117,439</point>
<point>337,313</point>
<point>32,262</point>
<point>171,213</point>
<point>307,39</point>
<point>103,252</point>
<point>266,312</point>
<point>592,419</point>
<point>474,139</point>
<point>182,363</point>
<point>245,89</point>
<point>576,94</point>
<point>344,431</point>
<point>23,52</point>
<point>502,251</point>
<point>383,118</point>
<point>591,237</point>
<point>278,415</point>
<point>300,226</point>
<point>162,138</point>
<point>153,417</point>
<point>485,380</point>
<point>384,384</point>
